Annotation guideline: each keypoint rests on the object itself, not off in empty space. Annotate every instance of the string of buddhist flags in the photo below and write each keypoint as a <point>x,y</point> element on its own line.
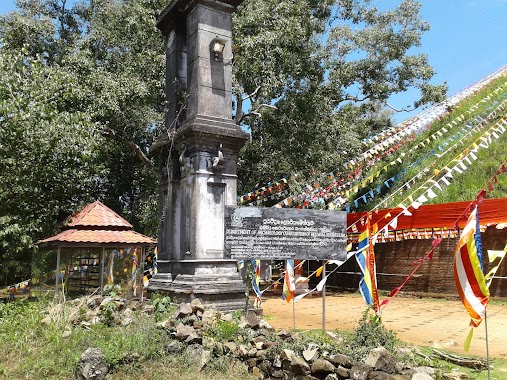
<point>458,136</point>
<point>316,194</point>
<point>429,256</point>
<point>431,186</point>
<point>272,190</point>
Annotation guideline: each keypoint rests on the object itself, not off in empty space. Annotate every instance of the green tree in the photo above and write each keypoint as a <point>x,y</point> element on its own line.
<point>48,155</point>
<point>81,103</point>
<point>317,76</point>
<point>82,100</point>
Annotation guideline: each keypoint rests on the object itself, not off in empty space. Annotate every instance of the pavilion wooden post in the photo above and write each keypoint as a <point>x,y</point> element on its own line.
<point>57,269</point>
<point>101,274</point>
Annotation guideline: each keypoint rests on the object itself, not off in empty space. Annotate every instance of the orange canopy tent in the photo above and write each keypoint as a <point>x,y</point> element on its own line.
<point>444,215</point>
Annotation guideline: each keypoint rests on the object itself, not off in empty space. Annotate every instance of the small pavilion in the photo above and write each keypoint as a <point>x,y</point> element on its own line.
<point>97,247</point>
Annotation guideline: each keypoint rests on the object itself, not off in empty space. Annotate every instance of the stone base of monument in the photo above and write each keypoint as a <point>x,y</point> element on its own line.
<point>216,283</point>
<point>160,283</point>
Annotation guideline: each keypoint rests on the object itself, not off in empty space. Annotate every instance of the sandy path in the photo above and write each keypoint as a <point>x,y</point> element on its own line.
<point>425,322</point>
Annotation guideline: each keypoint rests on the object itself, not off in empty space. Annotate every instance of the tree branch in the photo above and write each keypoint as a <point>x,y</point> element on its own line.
<point>406,109</point>
<point>111,134</point>
<point>256,111</point>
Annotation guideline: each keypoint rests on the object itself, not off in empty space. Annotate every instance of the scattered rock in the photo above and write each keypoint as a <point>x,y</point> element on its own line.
<point>148,309</point>
<point>455,376</point>
<point>226,317</point>
<point>230,347</point>
<point>92,365</point>
<point>311,354</point>
<point>379,375</point>
<point>252,320</point>
<point>288,354</point>
<point>197,306</point>
<point>298,366</point>
<point>209,316</point>
<point>93,301</point>
<point>256,372</point>
<point>282,334</point>
<point>341,360</point>
<point>164,324</point>
<point>322,366</point>
<point>421,376</point>
<point>184,331</point>
<point>342,372</point>
<point>360,372</point>
<point>381,360</point>
<point>198,356</point>
<point>184,310</point>
<point>426,370</point>
<point>265,325</point>
<point>174,347</point>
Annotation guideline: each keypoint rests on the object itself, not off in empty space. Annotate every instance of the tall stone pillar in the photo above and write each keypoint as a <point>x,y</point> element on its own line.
<point>198,166</point>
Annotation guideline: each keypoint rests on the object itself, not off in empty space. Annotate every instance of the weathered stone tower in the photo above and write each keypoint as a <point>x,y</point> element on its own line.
<point>198,157</point>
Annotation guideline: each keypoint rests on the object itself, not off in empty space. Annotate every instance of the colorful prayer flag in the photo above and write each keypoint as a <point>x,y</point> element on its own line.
<point>365,257</point>
<point>289,287</point>
<point>155,257</point>
<point>256,278</point>
<point>469,270</point>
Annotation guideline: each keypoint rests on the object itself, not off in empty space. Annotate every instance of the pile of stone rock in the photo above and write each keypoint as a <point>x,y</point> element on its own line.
<point>262,349</point>
<point>269,354</point>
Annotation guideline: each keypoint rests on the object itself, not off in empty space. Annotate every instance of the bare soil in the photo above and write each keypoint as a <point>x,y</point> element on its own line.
<point>437,323</point>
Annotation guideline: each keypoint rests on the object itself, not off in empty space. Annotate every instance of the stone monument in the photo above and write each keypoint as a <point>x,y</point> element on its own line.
<point>198,156</point>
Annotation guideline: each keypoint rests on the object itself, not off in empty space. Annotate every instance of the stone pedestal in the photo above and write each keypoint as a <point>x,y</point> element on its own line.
<point>198,159</point>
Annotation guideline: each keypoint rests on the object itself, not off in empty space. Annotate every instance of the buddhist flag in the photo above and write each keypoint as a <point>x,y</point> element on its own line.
<point>256,278</point>
<point>155,257</point>
<point>365,257</point>
<point>469,270</point>
<point>289,287</point>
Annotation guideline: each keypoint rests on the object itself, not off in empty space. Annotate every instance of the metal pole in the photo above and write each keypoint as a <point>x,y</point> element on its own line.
<point>324,298</point>
<point>247,291</point>
<point>487,344</point>
<point>293,315</point>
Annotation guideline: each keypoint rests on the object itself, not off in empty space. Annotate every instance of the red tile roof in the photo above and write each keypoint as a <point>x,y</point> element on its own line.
<point>96,214</point>
<point>96,224</point>
<point>98,237</point>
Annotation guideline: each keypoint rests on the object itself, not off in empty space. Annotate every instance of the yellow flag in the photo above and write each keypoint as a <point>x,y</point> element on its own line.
<point>318,272</point>
<point>468,340</point>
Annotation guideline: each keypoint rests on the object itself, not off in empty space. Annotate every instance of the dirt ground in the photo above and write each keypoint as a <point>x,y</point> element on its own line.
<point>436,323</point>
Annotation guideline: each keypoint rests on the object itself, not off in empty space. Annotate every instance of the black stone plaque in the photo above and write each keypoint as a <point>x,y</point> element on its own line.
<point>274,233</point>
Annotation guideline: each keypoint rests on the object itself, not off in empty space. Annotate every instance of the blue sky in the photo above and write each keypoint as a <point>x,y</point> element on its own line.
<point>467,41</point>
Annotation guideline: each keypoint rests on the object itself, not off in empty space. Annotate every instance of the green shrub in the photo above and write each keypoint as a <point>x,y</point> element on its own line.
<point>163,307</point>
<point>370,334</point>
<point>222,330</point>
